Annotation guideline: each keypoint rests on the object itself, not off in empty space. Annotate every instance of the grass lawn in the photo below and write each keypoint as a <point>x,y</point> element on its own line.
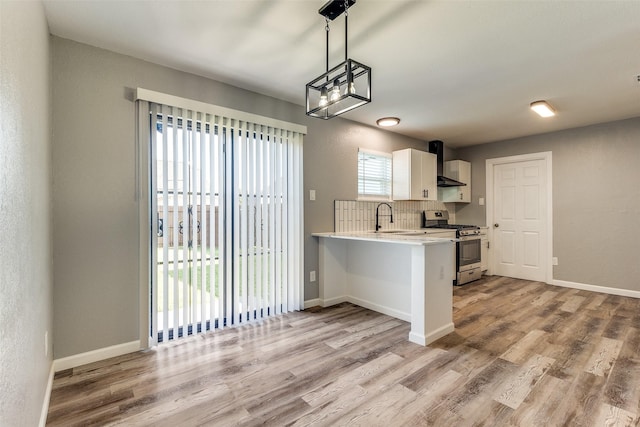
<point>193,276</point>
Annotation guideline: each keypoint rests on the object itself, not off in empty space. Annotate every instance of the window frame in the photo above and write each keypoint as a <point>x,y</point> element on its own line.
<point>375,197</point>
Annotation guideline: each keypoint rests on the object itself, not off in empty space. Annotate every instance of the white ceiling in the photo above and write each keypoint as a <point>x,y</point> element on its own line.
<point>461,71</point>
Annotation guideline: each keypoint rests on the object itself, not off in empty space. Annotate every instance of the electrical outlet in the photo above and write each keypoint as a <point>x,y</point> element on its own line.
<point>46,343</point>
<point>554,260</point>
<point>312,276</point>
<point>481,201</point>
<point>312,195</point>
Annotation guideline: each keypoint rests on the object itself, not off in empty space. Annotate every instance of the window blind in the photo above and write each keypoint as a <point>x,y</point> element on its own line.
<point>374,175</point>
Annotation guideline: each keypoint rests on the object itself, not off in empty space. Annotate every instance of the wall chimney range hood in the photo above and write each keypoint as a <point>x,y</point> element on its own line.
<point>437,148</point>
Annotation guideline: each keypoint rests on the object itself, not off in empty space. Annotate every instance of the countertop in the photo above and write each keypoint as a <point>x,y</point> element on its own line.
<point>407,237</point>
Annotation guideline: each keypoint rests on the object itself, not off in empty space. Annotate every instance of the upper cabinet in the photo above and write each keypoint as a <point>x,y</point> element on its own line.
<point>414,175</point>
<point>460,171</point>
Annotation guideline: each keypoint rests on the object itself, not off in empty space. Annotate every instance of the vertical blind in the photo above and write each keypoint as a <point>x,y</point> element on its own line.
<point>226,216</point>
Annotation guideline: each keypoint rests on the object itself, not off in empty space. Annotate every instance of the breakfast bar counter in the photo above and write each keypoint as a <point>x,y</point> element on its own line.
<point>405,275</point>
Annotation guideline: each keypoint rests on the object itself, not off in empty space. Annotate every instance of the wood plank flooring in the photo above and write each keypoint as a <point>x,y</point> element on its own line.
<point>523,354</point>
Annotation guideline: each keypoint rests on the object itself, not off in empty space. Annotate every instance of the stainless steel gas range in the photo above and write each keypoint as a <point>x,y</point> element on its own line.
<point>468,247</point>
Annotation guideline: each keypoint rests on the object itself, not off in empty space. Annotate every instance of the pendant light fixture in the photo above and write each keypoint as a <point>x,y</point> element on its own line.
<point>345,86</point>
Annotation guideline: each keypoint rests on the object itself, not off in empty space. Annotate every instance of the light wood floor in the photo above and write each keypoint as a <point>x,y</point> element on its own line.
<point>523,354</point>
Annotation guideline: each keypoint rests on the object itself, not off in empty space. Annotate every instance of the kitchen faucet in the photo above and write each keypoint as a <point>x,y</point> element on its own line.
<point>378,215</point>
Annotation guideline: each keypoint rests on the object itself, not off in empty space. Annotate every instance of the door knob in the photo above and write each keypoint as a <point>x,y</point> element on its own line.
<point>496,225</point>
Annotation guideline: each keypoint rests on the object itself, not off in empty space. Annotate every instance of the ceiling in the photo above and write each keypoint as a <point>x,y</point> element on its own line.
<point>461,71</point>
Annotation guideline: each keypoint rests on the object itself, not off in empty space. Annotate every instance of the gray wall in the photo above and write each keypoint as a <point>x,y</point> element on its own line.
<point>95,214</point>
<point>596,199</point>
<point>25,212</point>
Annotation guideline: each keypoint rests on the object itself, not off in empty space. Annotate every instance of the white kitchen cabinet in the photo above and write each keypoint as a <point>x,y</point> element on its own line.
<point>460,171</point>
<point>414,175</point>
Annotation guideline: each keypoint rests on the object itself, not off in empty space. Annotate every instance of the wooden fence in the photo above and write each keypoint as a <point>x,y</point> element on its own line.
<point>168,227</point>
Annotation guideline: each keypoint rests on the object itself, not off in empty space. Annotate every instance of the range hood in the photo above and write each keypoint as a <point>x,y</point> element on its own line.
<point>437,148</point>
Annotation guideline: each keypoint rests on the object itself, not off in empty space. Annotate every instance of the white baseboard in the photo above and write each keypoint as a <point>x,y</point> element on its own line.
<point>333,301</point>
<point>595,288</point>
<point>417,339</point>
<point>47,397</point>
<point>425,340</point>
<point>362,303</point>
<point>95,355</point>
<point>312,303</point>
<point>440,332</point>
<point>380,308</point>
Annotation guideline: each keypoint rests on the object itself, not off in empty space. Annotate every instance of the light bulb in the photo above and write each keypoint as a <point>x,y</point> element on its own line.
<point>335,91</point>
<point>351,87</point>
<point>323,97</point>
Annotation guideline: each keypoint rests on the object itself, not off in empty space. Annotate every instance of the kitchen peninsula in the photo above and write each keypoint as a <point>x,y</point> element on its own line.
<point>402,274</point>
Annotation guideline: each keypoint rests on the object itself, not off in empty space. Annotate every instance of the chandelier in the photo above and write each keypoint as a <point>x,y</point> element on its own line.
<point>345,86</point>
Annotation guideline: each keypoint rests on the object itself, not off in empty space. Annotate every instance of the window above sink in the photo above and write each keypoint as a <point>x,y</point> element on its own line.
<point>374,175</point>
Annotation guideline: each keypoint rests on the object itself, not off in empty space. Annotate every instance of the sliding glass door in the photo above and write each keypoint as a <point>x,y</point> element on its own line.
<point>226,221</point>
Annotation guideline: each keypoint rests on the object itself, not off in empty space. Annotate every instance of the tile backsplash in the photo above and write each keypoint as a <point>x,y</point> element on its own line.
<point>351,215</point>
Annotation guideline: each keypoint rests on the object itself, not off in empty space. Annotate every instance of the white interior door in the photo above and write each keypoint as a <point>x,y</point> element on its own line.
<point>520,212</point>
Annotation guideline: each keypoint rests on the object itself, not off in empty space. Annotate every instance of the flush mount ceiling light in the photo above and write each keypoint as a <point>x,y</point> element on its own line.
<point>543,108</point>
<point>388,121</point>
<point>345,86</point>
